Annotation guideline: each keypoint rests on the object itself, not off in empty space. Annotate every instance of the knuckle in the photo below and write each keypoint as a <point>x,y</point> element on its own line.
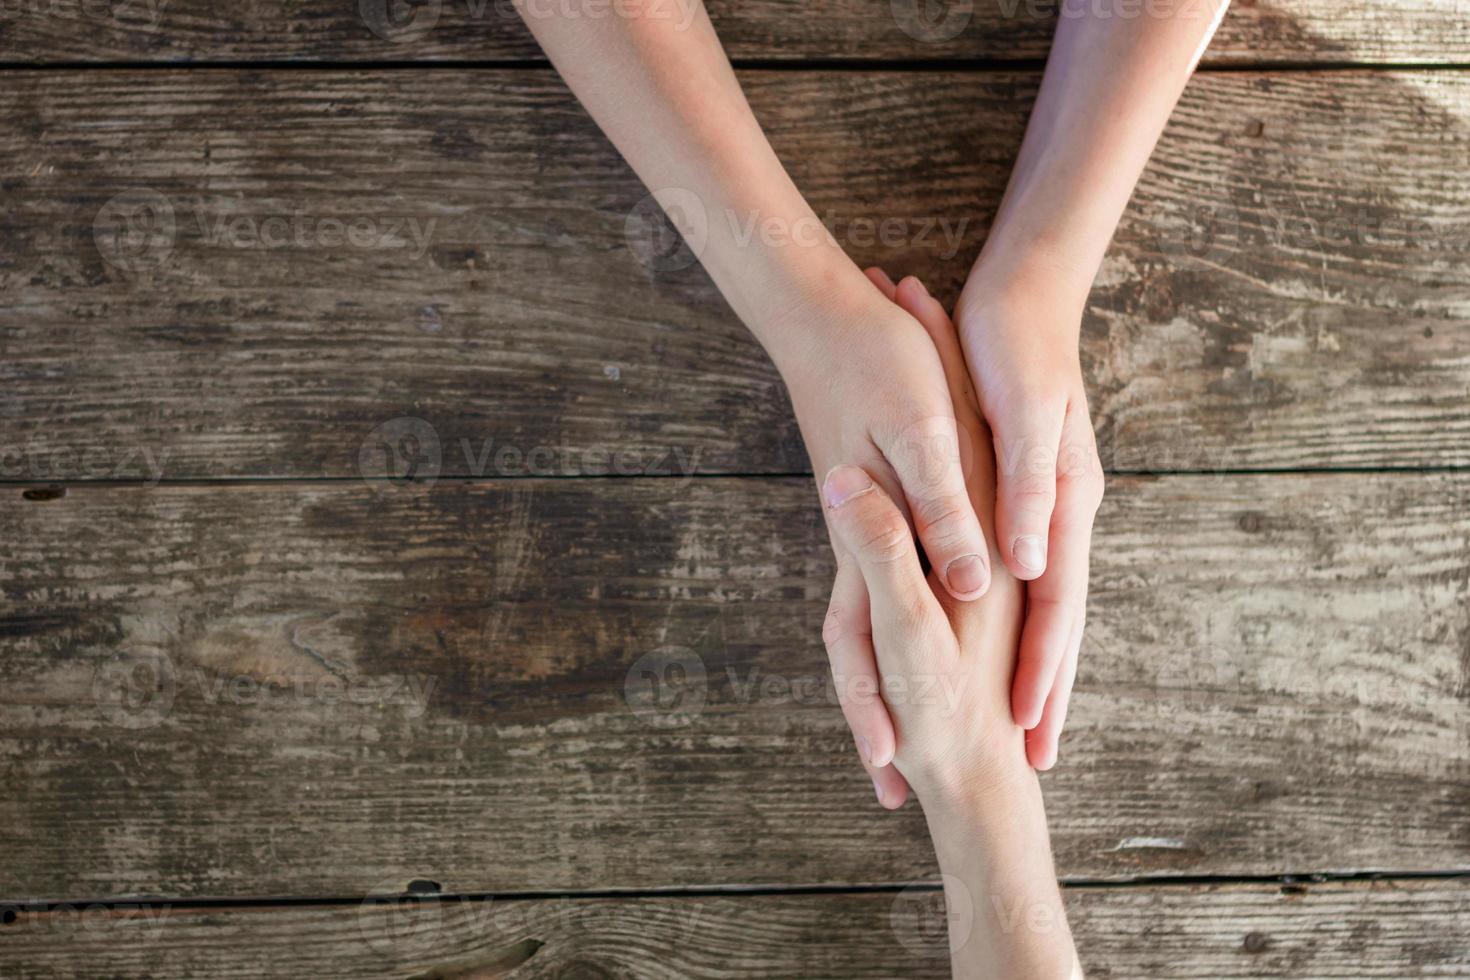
<point>841,623</point>
<point>1080,468</point>
<point>1051,607</point>
<point>1083,499</point>
<point>1031,494</point>
<point>886,539</point>
<point>911,620</point>
<point>927,454</point>
<point>1028,459</point>
<point>1093,489</point>
<point>947,515</point>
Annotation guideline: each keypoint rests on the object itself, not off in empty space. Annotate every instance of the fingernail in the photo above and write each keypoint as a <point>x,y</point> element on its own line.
<point>878,789</point>
<point>1048,757</point>
<point>844,483</point>
<point>966,575</point>
<point>865,749</point>
<point>1029,553</point>
<point>920,283</point>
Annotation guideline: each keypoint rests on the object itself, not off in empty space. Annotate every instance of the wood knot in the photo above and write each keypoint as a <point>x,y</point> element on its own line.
<point>1255,942</point>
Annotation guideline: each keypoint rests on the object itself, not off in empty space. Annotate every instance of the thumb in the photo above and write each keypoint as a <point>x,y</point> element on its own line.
<point>1026,486</point>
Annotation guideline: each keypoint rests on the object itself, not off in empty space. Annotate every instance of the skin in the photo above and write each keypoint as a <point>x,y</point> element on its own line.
<point>866,382</point>
<point>1110,84</point>
<point>962,752</point>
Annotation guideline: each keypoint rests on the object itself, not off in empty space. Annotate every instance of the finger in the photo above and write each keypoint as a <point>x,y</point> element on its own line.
<point>1026,445</point>
<point>926,457</point>
<point>881,280</point>
<point>1042,741</point>
<point>917,302</point>
<point>1044,638</point>
<point>867,523</point>
<point>847,633</point>
<point>1056,603</point>
<point>889,786</point>
<point>975,468</point>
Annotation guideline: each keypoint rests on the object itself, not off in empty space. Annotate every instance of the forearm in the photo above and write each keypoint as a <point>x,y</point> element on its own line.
<point>657,81</point>
<point>994,850</point>
<point>1115,72</point>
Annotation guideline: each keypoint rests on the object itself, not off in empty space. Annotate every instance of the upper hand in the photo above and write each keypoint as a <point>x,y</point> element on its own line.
<point>1020,334</point>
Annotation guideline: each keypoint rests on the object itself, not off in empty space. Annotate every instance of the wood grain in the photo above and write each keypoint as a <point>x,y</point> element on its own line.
<point>283,690</point>
<point>1256,31</point>
<point>1288,290</point>
<point>1349,930</point>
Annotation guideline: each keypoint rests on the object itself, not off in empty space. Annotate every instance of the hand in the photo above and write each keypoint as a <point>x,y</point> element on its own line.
<point>945,666</point>
<point>1020,333</point>
<point>870,387</point>
<point>946,670</point>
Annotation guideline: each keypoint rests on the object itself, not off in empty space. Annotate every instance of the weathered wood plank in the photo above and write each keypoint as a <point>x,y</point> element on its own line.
<point>338,685</point>
<point>1290,288</point>
<point>32,31</point>
<point>1350,930</point>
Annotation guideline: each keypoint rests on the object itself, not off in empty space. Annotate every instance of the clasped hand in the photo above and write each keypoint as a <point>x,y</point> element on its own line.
<point>993,467</point>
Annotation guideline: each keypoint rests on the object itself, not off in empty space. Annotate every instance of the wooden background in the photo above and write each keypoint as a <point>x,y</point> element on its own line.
<point>253,694</point>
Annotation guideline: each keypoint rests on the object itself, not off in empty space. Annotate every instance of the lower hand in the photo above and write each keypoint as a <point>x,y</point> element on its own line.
<point>958,745</point>
<point>871,389</point>
<point>946,666</point>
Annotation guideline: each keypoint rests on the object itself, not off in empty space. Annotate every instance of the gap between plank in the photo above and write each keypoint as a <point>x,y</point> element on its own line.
<point>309,481</point>
<point>970,65</point>
<point>730,891</point>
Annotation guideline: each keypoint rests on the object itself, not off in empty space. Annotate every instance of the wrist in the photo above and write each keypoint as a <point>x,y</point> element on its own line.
<point>802,311</point>
<point>1011,280</point>
<point>977,797</point>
